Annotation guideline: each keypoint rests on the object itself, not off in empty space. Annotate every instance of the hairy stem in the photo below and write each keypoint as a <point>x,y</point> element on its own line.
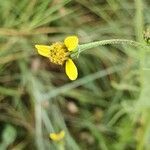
<point>112,41</point>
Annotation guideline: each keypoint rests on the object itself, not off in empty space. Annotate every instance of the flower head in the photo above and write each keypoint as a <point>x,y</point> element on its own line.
<point>59,53</point>
<point>57,136</point>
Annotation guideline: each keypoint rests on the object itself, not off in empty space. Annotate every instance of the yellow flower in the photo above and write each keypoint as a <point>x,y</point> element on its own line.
<point>57,136</point>
<point>59,53</point>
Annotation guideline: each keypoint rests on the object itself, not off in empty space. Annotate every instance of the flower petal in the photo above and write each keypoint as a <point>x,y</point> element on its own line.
<point>57,136</point>
<point>43,50</point>
<point>71,69</point>
<point>71,42</point>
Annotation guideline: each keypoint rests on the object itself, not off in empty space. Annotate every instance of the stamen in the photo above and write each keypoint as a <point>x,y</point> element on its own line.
<point>58,53</point>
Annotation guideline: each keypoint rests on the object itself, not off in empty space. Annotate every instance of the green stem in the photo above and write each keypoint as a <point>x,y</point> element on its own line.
<point>86,46</point>
<point>61,145</point>
<point>38,126</point>
<point>111,41</point>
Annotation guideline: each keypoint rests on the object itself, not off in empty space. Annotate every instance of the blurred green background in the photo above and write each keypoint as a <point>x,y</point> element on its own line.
<point>106,108</point>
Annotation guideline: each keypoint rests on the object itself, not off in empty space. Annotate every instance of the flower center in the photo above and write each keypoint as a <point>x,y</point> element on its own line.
<point>58,53</point>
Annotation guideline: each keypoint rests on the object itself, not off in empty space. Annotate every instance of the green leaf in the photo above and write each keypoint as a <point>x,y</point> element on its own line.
<point>8,136</point>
